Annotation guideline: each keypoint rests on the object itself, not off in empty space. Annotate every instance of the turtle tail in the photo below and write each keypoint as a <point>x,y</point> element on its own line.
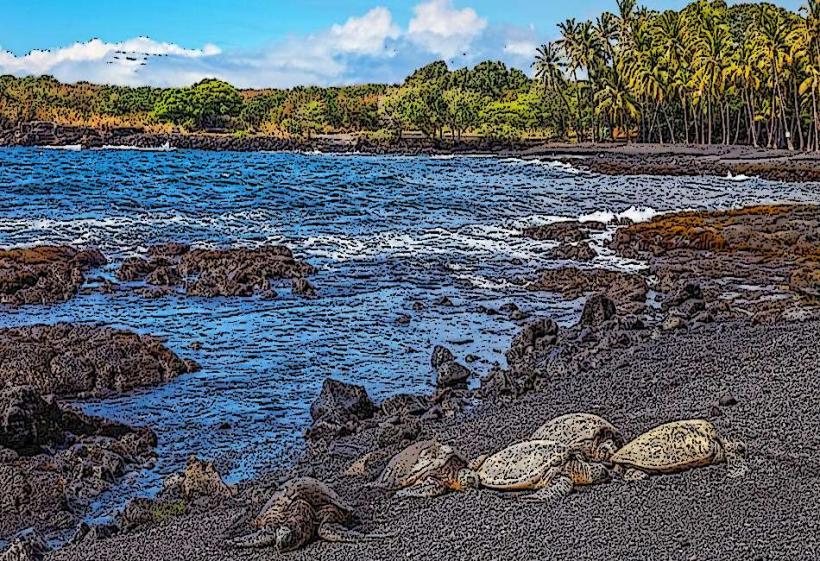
<point>735,452</point>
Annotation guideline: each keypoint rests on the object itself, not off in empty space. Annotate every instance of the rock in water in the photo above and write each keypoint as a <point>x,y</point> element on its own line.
<point>26,546</point>
<point>44,274</point>
<point>597,310</point>
<point>71,359</point>
<point>27,421</point>
<point>441,356</point>
<point>452,375</point>
<point>339,403</point>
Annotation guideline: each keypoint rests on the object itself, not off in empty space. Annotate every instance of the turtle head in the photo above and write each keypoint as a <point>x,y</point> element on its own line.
<point>605,450</point>
<point>467,479</point>
<point>285,539</point>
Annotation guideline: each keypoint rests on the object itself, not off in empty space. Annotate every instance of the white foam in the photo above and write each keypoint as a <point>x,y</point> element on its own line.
<point>67,147</point>
<point>738,177</point>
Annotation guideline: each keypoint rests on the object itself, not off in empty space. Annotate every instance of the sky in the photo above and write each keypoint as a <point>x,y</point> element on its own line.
<point>272,43</point>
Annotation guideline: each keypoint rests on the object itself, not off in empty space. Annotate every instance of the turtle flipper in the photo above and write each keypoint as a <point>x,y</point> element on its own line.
<point>428,488</point>
<point>560,487</point>
<point>632,474</point>
<point>260,539</point>
<point>337,533</point>
<point>735,459</point>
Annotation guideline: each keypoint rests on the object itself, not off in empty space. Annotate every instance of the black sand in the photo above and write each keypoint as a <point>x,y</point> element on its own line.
<point>773,513</point>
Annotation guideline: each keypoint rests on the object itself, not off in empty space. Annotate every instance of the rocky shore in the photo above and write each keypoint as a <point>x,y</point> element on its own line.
<point>723,327</point>
<point>604,158</point>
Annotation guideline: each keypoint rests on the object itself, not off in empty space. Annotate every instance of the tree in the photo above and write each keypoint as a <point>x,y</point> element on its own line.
<point>210,103</point>
<point>463,109</point>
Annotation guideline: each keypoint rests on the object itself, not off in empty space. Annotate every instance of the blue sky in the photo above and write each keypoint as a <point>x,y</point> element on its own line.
<point>257,43</point>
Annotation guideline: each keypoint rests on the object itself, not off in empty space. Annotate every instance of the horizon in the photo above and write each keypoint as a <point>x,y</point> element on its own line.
<point>308,45</point>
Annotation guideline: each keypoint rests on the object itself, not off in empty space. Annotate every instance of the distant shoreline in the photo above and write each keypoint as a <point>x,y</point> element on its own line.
<point>604,158</point>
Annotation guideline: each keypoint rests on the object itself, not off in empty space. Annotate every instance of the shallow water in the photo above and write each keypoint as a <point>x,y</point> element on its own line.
<point>385,232</point>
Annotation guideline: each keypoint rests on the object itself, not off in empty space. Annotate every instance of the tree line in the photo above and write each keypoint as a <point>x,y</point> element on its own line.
<point>708,74</point>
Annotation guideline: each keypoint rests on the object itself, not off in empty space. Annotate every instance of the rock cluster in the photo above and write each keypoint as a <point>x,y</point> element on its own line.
<point>74,359</point>
<point>218,272</point>
<point>627,290</point>
<point>760,260</point>
<point>44,274</point>
<point>54,461</point>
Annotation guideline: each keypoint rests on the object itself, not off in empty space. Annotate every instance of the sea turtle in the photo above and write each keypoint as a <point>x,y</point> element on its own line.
<point>679,446</point>
<point>301,510</point>
<point>423,469</point>
<point>551,468</point>
<point>596,437</point>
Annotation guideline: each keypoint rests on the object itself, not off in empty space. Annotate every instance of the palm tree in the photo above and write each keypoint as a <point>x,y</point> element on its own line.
<point>805,48</point>
<point>570,46</point>
<point>550,71</point>
<point>772,53</point>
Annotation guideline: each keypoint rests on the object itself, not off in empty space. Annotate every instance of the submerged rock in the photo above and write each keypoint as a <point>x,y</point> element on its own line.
<point>71,359</point>
<point>44,274</point>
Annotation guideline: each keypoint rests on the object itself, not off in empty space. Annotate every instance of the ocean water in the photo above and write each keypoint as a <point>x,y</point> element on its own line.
<point>385,233</point>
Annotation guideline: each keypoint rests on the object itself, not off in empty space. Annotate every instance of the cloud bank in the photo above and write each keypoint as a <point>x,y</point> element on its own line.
<point>371,47</point>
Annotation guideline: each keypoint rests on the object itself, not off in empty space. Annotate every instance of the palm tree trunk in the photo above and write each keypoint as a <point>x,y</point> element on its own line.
<point>683,105</point>
<point>816,120</point>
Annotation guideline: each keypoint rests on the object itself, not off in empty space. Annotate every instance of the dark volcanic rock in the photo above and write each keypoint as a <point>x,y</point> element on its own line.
<point>597,310</point>
<point>581,251</point>
<point>70,359</point>
<point>44,274</point>
<point>759,261</point>
<point>627,290</point>
<point>404,405</point>
<point>339,408</point>
<point>28,545</point>
<point>27,421</point>
<point>565,232</point>
<point>452,375</point>
<point>538,336</point>
<point>441,355</point>
<point>65,460</point>
<point>218,272</point>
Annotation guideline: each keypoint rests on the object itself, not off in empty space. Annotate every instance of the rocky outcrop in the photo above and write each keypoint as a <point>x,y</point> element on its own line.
<point>199,481</point>
<point>44,274</point>
<point>762,261</point>
<point>580,251</point>
<point>627,290</point>
<point>218,272</point>
<point>28,545</point>
<point>74,359</point>
<point>565,232</point>
<point>55,460</point>
<point>339,409</point>
<point>449,373</point>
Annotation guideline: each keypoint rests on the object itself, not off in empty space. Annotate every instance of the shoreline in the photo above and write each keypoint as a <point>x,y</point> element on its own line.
<point>603,158</point>
<point>751,372</point>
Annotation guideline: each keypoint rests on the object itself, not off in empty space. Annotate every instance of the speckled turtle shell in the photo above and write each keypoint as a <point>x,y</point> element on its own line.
<point>673,447</point>
<point>582,431</point>
<point>522,466</point>
<point>417,462</point>
<point>307,490</point>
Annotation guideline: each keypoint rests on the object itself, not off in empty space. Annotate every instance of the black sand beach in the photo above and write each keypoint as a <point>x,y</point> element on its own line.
<point>772,513</point>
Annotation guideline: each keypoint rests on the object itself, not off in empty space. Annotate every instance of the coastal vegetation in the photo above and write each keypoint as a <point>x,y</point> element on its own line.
<point>708,74</point>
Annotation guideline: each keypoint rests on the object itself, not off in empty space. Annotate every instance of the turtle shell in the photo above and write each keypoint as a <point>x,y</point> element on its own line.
<point>415,463</point>
<point>307,491</point>
<point>673,447</point>
<point>582,430</point>
<point>523,465</point>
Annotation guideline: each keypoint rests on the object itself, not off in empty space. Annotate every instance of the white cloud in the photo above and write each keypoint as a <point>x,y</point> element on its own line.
<point>365,35</point>
<point>126,54</point>
<point>367,48</point>
<point>521,48</point>
<point>444,30</point>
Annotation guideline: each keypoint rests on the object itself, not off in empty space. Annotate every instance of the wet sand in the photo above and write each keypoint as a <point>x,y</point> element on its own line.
<point>772,371</point>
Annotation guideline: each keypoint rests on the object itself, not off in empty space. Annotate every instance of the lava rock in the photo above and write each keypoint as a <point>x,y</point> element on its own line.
<point>597,310</point>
